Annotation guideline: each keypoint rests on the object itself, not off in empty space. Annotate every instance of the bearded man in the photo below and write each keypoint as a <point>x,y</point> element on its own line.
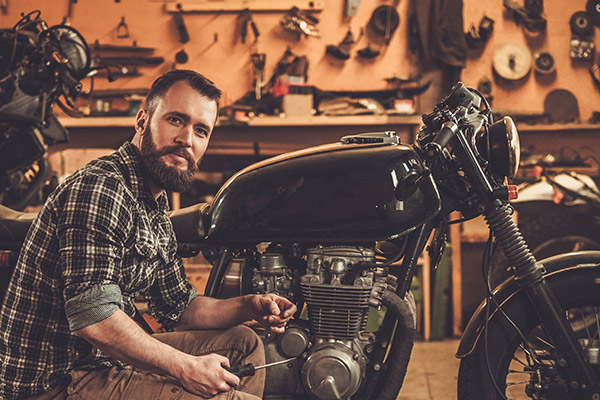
<point>103,239</point>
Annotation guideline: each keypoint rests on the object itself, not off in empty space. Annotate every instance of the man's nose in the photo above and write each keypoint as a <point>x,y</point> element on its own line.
<point>184,136</point>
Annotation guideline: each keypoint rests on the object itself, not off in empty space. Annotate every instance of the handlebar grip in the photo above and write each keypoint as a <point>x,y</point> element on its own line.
<point>445,134</point>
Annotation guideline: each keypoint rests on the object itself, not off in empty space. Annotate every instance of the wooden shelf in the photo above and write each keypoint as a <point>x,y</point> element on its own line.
<point>533,128</point>
<point>104,122</point>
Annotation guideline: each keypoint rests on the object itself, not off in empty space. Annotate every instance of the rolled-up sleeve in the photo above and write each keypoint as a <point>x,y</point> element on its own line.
<point>92,231</point>
<point>94,305</point>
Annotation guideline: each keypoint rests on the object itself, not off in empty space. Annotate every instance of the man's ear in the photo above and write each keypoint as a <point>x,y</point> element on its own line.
<point>141,121</point>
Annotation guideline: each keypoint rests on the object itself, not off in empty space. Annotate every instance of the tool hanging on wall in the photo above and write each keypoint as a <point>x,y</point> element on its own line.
<point>351,7</point>
<point>529,16</point>
<point>341,51</point>
<point>182,31</point>
<point>66,19</point>
<point>122,29</point>
<point>134,48</point>
<point>133,60</point>
<point>485,88</point>
<point>582,31</point>
<point>478,37</point>
<point>246,19</point>
<point>384,21</point>
<point>181,57</point>
<point>560,105</point>
<point>368,52</point>
<point>301,23</point>
<point>512,61</point>
<point>106,57</point>
<point>544,63</point>
<point>593,9</point>
<point>593,70</point>
<point>258,62</point>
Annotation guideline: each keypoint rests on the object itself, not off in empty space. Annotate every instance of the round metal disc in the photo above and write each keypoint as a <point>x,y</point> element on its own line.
<point>593,9</point>
<point>580,24</point>
<point>544,63</point>
<point>512,61</point>
<point>561,106</point>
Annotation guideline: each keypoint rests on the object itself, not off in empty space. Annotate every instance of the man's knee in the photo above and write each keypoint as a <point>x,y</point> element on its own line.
<point>246,338</point>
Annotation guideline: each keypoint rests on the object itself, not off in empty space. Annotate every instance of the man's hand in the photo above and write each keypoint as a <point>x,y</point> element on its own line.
<point>206,377</point>
<point>272,311</point>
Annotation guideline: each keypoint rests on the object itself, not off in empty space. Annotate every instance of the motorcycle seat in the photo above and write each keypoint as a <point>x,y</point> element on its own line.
<point>14,224</point>
<point>187,223</point>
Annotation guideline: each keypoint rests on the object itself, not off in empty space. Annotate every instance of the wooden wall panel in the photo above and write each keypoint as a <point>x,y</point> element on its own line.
<point>227,60</point>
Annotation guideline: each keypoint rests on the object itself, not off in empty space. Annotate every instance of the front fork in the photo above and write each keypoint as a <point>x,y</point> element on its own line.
<point>529,274</point>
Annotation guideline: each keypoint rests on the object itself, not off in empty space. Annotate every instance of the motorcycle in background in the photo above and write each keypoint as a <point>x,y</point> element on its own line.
<point>558,212</point>
<point>40,67</point>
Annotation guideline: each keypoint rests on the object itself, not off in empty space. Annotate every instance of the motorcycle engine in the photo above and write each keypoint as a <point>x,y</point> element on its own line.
<point>339,285</point>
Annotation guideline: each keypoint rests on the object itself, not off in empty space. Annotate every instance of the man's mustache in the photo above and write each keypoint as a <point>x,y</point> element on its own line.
<point>177,150</point>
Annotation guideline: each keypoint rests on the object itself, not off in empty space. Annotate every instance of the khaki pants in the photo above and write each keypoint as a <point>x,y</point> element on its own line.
<point>240,344</point>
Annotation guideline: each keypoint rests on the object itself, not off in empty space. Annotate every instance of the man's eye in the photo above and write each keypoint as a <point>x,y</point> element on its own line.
<point>201,132</point>
<point>175,120</point>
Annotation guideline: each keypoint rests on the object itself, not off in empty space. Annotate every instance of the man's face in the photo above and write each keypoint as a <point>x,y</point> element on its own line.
<point>177,135</point>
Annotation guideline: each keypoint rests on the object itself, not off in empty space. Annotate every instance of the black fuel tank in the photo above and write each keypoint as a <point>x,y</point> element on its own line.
<point>331,193</point>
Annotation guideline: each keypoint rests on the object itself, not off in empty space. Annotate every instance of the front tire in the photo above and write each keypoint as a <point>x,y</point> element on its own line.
<point>515,373</point>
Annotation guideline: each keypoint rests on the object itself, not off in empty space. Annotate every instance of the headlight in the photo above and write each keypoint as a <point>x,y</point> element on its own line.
<point>500,146</point>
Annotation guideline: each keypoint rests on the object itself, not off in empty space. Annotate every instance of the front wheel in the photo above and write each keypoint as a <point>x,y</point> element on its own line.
<point>531,369</point>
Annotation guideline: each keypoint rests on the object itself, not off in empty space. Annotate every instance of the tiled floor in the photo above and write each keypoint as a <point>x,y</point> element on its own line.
<point>432,372</point>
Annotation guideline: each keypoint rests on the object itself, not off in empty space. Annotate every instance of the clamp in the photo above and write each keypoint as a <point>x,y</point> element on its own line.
<point>247,19</point>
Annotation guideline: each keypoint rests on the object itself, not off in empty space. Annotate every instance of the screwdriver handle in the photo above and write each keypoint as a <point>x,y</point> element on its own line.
<point>241,371</point>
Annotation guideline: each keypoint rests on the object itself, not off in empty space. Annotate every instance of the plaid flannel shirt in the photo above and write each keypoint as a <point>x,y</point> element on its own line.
<point>100,241</point>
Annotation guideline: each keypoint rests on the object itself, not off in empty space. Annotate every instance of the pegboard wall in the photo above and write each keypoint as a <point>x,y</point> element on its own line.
<point>216,50</point>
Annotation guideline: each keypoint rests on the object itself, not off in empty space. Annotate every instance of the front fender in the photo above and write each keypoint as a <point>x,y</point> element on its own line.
<point>558,269</point>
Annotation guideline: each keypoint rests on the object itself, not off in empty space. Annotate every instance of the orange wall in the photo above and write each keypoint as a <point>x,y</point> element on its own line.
<point>227,61</point>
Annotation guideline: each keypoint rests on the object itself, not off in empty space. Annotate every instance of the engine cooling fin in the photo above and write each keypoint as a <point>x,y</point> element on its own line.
<point>337,312</point>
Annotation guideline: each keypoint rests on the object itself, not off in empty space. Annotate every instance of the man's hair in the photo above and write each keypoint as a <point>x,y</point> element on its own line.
<point>197,81</point>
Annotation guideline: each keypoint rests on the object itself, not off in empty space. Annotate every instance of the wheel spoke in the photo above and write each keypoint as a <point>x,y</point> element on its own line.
<point>516,383</point>
<point>585,325</point>
<point>545,342</point>
<point>528,354</point>
<point>597,322</point>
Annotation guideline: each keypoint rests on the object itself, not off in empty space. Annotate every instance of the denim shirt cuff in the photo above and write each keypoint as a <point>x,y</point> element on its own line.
<point>94,305</point>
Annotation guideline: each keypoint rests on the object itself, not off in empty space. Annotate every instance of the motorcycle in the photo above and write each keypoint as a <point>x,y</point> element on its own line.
<point>40,67</point>
<point>338,230</point>
<point>556,214</point>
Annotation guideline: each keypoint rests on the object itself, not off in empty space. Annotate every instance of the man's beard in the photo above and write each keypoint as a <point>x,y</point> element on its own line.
<point>167,177</point>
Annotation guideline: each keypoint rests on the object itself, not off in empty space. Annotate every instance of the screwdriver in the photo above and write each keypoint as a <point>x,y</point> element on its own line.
<point>250,369</point>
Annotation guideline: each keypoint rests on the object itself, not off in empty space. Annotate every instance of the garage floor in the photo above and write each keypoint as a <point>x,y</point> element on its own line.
<point>432,372</point>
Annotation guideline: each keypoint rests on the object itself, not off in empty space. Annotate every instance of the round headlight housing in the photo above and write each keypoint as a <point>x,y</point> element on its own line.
<point>499,145</point>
